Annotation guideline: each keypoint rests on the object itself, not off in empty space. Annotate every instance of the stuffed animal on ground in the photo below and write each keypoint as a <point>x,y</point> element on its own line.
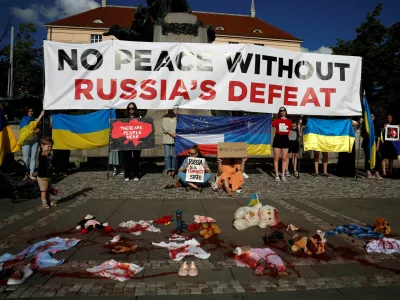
<point>314,244</point>
<point>259,215</point>
<point>119,249</point>
<point>180,224</point>
<point>89,223</point>
<point>208,230</point>
<point>382,226</point>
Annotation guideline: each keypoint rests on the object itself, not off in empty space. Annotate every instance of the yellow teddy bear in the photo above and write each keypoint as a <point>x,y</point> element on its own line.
<point>209,230</point>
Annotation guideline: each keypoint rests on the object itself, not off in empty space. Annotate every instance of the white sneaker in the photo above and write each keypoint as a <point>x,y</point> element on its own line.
<point>245,176</point>
<point>284,179</point>
<point>287,174</point>
<point>136,179</point>
<point>126,179</point>
<point>20,276</point>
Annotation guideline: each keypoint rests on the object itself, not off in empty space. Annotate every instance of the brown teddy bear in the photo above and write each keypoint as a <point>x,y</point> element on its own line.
<point>208,230</point>
<point>314,244</point>
<point>382,226</point>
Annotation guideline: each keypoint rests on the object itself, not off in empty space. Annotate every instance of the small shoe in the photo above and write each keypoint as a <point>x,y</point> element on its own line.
<point>284,179</point>
<point>245,176</point>
<point>20,276</point>
<point>277,179</point>
<point>315,175</point>
<point>287,174</point>
<point>45,205</point>
<point>53,204</point>
<point>327,175</point>
<point>296,174</point>
<point>370,176</point>
<point>183,269</point>
<point>126,179</point>
<point>377,176</point>
<point>136,179</point>
<point>193,271</point>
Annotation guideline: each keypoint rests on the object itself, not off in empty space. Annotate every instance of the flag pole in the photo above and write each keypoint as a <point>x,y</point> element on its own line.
<point>359,142</point>
<point>109,145</point>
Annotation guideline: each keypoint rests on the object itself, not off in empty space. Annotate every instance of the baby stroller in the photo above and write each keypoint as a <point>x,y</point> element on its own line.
<point>15,180</point>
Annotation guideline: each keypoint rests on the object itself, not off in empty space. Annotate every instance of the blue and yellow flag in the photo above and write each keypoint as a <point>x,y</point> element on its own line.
<point>253,200</point>
<point>329,135</point>
<point>369,128</point>
<point>8,143</point>
<point>27,128</point>
<point>78,132</point>
<point>396,145</point>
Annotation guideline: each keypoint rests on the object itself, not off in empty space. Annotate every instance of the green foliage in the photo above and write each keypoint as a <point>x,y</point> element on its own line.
<point>379,47</point>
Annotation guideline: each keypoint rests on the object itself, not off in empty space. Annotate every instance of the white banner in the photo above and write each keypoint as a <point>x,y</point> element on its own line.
<point>195,169</point>
<point>113,73</point>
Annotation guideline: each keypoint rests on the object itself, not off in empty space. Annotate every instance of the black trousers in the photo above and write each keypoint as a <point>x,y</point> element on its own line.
<point>347,163</point>
<point>131,159</point>
<point>61,160</point>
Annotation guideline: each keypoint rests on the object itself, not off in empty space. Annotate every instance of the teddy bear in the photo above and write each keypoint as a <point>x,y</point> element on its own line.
<point>382,226</point>
<point>208,230</point>
<point>259,215</point>
<point>314,244</point>
<point>89,223</point>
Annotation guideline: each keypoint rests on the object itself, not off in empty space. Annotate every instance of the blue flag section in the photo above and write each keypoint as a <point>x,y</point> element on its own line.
<point>397,147</point>
<point>77,132</point>
<point>369,128</point>
<point>207,132</point>
<point>329,135</point>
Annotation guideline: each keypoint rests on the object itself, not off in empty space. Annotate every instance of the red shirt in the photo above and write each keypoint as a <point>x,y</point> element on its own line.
<point>282,126</point>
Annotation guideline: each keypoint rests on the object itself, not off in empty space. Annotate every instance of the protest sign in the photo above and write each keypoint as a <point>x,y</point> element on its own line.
<point>132,134</point>
<point>232,150</point>
<point>195,169</point>
<point>230,77</point>
<point>392,133</point>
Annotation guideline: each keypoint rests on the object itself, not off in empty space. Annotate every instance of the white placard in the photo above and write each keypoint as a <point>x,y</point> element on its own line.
<point>235,77</point>
<point>195,169</point>
<point>392,133</point>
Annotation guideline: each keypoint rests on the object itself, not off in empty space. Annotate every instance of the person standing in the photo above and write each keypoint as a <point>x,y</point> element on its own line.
<point>45,171</point>
<point>366,149</point>
<point>294,146</point>
<point>29,139</point>
<point>169,133</point>
<point>387,149</point>
<point>283,127</point>
<point>131,158</point>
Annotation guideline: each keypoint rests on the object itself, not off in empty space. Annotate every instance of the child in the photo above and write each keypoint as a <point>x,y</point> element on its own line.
<point>45,171</point>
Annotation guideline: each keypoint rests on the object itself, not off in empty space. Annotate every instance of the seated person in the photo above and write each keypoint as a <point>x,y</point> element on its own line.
<point>230,172</point>
<point>195,153</point>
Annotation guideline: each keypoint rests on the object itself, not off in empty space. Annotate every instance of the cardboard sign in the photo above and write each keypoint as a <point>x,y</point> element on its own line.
<point>392,133</point>
<point>132,134</point>
<point>195,169</point>
<point>232,150</point>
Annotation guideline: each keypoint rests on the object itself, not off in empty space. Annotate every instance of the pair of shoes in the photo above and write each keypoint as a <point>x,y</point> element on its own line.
<point>315,175</point>
<point>185,269</point>
<point>327,175</point>
<point>377,176</point>
<point>296,174</point>
<point>127,179</point>
<point>287,174</point>
<point>369,175</point>
<point>136,179</point>
<point>284,179</point>
<point>45,205</point>
<point>277,178</point>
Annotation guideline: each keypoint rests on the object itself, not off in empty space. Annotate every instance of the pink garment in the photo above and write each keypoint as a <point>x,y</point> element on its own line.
<point>252,258</point>
<point>178,251</point>
<point>385,245</point>
<point>203,219</point>
<point>115,270</point>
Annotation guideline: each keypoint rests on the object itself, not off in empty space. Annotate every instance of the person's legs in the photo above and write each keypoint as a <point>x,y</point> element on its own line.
<point>136,163</point>
<point>127,154</point>
<point>391,166</point>
<point>173,167</point>
<point>26,153</point>
<point>277,154</point>
<point>325,162</point>
<point>167,157</point>
<point>182,177</point>
<point>284,161</point>
<point>207,177</point>
<point>294,162</point>
<point>316,162</point>
<point>34,150</point>
<point>383,166</point>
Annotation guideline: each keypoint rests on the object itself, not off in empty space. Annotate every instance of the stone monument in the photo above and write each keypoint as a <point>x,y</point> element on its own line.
<point>165,21</point>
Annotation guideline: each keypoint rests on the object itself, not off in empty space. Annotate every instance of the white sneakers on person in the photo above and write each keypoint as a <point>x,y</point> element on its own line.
<point>245,176</point>
<point>126,179</point>
<point>136,179</point>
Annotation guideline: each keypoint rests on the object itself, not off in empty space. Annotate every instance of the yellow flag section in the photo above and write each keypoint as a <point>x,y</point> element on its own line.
<point>8,143</point>
<point>78,132</point>
<point>329,135</point>
<point>27,128</point>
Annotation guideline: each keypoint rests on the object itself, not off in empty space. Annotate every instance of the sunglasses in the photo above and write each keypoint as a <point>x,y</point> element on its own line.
<point>193,153</point>
<point>131,108</point>
<point>281,110</point>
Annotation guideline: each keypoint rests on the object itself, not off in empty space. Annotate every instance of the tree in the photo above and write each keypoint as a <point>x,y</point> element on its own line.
<point>28,64</point>
<point>379,47</point>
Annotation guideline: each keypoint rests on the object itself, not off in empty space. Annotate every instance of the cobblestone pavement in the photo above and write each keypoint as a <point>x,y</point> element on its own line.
<point>311,203</point>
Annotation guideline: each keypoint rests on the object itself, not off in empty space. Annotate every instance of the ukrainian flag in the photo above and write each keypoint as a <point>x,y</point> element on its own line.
<point>27,129</point>
<point>78,132</point>
<point>8,143</point>
<point>329,135</point>
<point>369,128</point>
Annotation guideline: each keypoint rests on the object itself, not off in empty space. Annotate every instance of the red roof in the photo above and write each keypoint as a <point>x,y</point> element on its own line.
<point>238,25</point>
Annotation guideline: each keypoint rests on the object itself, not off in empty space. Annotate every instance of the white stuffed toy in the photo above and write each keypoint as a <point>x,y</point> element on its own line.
<point>259,215</point>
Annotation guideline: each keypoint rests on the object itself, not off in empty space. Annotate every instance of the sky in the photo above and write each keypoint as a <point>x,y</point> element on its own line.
<point>319,23</point>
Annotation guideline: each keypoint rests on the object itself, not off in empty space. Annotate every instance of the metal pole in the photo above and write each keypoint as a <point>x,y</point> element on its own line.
<point>109,147</point>
<point>358,154</point>
<point>11,67</point>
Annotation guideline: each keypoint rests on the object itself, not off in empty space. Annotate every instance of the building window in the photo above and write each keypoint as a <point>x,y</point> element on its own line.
<point>220,28</point>
<point>262,45</point>
<point>257,31</point>
<point>233,43</point>
<point>96,38</point>
<point>98,21</point>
